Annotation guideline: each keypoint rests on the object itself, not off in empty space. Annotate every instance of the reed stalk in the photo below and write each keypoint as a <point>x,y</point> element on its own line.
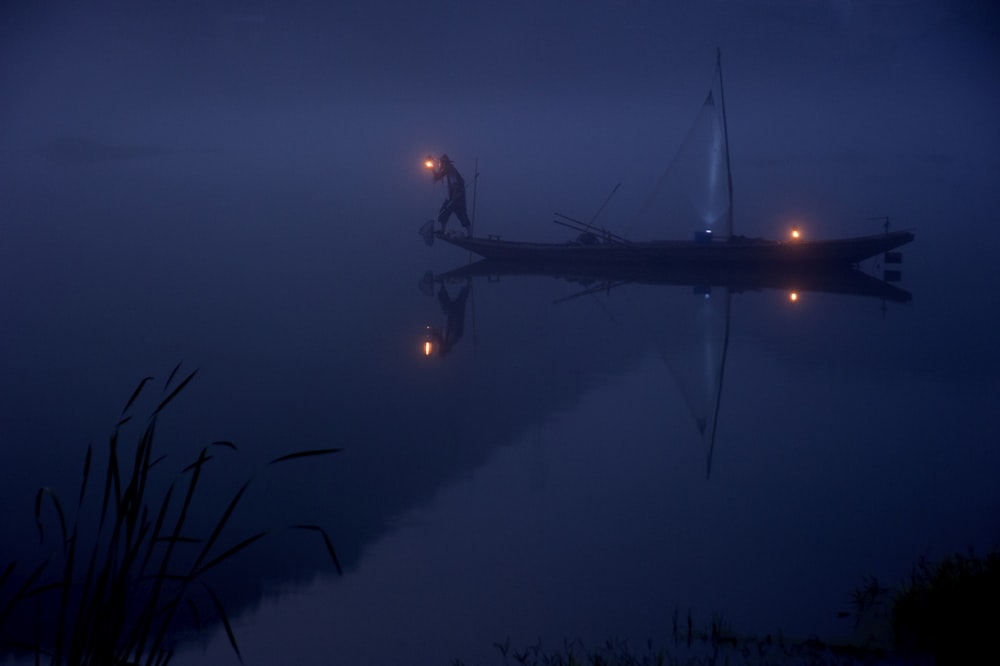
<point>117,592</point>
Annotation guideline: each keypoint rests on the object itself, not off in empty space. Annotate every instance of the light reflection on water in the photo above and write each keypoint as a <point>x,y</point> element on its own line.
<point>599,522</point>
<point>546,477</point>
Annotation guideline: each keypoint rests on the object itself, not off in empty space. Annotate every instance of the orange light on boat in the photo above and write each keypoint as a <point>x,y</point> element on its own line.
<point>795,233</point>
<point>793,296</point>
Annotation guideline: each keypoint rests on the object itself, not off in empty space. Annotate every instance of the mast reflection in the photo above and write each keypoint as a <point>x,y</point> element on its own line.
<point>698,368</point>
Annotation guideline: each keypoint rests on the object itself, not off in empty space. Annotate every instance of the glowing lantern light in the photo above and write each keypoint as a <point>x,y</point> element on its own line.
<point>428,348</point>
<point>794,296</point>
<point>429,162</point>
<point>795,233</point>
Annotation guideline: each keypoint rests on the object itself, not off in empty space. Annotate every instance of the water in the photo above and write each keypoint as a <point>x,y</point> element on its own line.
<point>545,479</point>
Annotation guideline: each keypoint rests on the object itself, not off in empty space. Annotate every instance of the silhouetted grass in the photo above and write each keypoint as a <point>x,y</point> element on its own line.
<point>950,609</point>
<point>693,645</point>
<point>948,612</point>
<point>118,593</point>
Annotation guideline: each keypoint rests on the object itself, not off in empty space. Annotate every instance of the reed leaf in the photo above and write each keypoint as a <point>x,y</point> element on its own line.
<point>120,608</point>
<point>157,527</point>
<point>163,657</point>
<point>48,492</point>
<point>204,458</point>
<point>86,473</point>
<point>179,539</point>
<point>81,626</point>
<point>229,553</point>
<point>66,582</point>
<point>24,591</point>
<point>225,621</point>
<point>111,480</point>
<point>173,394</point>
<point>135,394</point>
<point>173,372</point>
<point>327,541</point>
<point>146,625</point>
<point>304,454</point>
<point>219,526</point>
<point>167,611</point>
<point>195,615</point>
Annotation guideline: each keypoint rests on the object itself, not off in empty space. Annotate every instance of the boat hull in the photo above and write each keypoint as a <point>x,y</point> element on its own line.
<point>734,253</point>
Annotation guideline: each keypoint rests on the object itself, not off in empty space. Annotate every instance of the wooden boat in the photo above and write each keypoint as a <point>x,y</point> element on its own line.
<point>713,246</point>
<point>734,252</point>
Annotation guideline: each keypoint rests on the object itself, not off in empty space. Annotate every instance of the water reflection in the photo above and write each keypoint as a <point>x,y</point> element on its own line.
<point>698,363</point>
<point>439,340</point>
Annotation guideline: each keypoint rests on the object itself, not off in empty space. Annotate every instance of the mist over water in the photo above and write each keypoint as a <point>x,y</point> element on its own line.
<point>238,186</point>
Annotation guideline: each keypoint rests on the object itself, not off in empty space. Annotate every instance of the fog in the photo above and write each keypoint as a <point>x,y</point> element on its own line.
<point>238,185</point>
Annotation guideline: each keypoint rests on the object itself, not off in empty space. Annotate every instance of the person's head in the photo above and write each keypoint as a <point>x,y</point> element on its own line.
<point>445,159</point>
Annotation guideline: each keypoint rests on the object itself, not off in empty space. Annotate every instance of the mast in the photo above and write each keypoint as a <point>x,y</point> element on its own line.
<point>725,134</point>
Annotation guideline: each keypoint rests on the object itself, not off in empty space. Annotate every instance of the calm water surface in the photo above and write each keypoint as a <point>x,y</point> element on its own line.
<point>240,191</point>
<point>546,478</point>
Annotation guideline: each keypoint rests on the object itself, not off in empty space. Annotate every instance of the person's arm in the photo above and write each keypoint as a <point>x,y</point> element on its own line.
<point>440,172</point>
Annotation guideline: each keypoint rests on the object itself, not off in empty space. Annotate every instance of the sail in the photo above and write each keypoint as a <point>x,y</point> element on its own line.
<point>694,349</point>
<point>708,191</point>
<point>694,194</point>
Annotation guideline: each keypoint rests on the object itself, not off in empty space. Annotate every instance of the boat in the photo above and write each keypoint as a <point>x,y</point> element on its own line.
<point>714,264</point>
<point>736,252</point>
<point>713,246</point>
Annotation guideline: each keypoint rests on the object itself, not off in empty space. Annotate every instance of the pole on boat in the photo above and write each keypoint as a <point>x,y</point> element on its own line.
<point>885,222</point>
<point>579,225</point>
<point>725,133</point>
<point>475,187</point>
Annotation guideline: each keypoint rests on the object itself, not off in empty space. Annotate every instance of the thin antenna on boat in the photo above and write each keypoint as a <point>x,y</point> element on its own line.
<point>475,191</point>
<point>725,133</point>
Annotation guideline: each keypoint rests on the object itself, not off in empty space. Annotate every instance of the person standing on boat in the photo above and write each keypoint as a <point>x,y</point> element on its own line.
<point>455,203</point>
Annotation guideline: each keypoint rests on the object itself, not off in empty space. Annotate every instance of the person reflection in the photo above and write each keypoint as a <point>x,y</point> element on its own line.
<point>454,322</point>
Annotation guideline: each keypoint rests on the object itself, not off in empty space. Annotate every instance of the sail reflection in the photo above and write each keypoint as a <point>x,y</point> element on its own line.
<point>699,332</point>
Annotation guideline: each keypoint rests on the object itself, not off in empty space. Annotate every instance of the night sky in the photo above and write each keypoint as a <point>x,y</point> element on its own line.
<point>238,185</point>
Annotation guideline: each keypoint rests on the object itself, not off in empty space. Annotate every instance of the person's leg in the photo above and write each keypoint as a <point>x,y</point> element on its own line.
<point>446,210</point>
<point>463,216</point>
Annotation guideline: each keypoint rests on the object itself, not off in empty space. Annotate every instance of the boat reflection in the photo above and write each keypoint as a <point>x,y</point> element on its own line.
<point>697,360</point>
<point>851,281</point>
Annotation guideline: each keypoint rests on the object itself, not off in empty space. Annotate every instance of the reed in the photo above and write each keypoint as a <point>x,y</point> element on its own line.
<point>693,644</point>
<point>120,592</point>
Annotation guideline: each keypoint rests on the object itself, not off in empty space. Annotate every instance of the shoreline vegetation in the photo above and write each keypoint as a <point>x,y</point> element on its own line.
<point>127,571</point>
<point>946,613</point>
